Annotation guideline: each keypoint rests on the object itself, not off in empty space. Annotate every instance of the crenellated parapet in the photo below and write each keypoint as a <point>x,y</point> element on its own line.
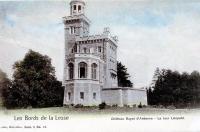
<point>99,38</point>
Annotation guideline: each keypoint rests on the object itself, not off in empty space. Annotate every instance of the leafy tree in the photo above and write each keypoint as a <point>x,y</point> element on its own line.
<point>5,84</point>
<point>123,76</point>
<point>34,83</point>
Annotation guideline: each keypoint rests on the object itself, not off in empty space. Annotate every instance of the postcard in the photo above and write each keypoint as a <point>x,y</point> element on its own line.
<point>100,65</point>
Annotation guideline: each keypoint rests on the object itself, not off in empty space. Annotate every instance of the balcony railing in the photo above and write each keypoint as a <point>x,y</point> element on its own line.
<point>87,55</point>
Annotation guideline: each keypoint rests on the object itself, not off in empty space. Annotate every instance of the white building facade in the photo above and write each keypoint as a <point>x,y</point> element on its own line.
<point>90,74</point>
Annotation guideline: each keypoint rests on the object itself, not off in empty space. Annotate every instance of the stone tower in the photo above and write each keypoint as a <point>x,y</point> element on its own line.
<point>81,87</point>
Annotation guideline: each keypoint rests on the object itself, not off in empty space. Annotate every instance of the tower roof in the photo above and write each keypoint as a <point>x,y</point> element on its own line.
<point>79,1</point>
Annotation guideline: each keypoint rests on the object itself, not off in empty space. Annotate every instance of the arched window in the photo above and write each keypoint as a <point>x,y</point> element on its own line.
<point>74,7</point>
<point>71,70</point>
<point>94,71</point>
<point>82,70</point>
<point>79,8</point>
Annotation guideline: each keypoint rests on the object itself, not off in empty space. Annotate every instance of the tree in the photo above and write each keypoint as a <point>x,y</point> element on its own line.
<point>34,83</point>
<point>155,77</point>
<point>173,88</point>
<point>5,84</point>
<point>123,76</point>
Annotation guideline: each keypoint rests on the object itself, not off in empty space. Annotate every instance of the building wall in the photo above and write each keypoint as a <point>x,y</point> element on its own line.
<point>69,88</point>
<point>134,97</point>
<point>111,65</point>
<point>123,97</point>
<point>88,89</point>
<point>112,97</point>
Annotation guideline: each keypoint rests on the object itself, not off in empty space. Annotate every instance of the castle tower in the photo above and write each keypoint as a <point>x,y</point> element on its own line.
<point>82,66</point>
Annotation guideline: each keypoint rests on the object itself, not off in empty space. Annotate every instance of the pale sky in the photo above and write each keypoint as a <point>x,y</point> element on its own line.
<point>152,33</point>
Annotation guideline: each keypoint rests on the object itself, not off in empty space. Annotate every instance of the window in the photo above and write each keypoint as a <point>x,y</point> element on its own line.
<point>79,8</point>
<point>94,95</point>
<point>71,70</point>
<point>75,48</point>
<point>81,95</point>
<point>84,50</point>
<point>74,29</point>
<point>99,48</point>
<point>71,30</point>
<point>69,96</point>
<point>74,7</point>
<point>82,70</point>
<point>94,71</point>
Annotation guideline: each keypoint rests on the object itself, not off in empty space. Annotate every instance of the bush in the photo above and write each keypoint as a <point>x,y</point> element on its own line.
<point>115,105</point>
<point>144,106</point>
<point>140,105</point>
<point>134,106</point>
<point>127,106</point>
<point>171,107</point>
<point>78,106</point>
<point>102,105</point>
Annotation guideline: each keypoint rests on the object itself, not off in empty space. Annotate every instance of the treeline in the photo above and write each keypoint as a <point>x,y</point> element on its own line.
<point>34,84</point>
<point>173,88</point>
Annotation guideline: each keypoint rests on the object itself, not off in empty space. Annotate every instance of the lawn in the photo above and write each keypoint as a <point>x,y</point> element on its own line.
<point>96,111</point>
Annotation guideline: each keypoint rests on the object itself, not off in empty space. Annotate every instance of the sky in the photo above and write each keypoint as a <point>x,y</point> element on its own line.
<point>152,33</point>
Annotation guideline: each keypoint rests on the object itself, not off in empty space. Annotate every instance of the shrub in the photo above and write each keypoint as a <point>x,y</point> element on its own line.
<point>144,106</point>
<point>115,105</point>
<point>127,106</point>
<point>78,106</point>
<point>171,107</point>
<point>134,106</point>
<point>102,105</point>
<point>140,105</point>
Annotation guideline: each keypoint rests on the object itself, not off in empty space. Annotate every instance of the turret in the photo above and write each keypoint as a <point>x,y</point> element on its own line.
<point>77,7</point>
<point>77,24</point>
